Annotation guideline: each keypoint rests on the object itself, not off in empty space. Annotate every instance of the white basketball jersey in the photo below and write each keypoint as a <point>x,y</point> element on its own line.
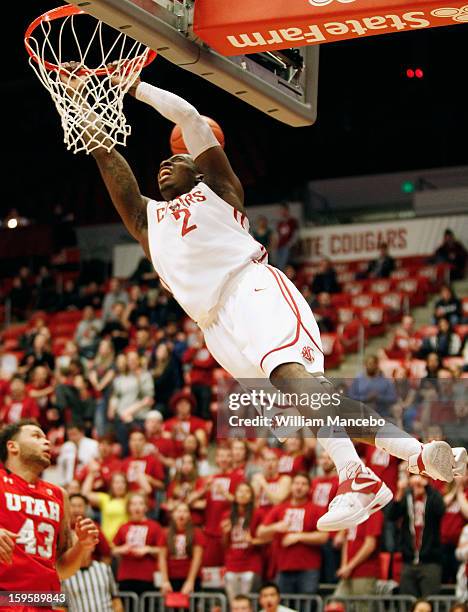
<point>198,242</point>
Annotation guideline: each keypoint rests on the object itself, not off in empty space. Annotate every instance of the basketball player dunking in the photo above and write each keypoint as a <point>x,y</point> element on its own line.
<point>256,323</point>
<point>37,548</point>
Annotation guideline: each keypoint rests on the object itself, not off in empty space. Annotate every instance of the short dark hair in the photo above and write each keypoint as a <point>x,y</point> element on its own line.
<point>243,598</point>
<point>10,432</point>
<point>80,496</point>
<point>418,601</point>
<point>269,585</point>
<point>76,425</point>
<point>302,475</point>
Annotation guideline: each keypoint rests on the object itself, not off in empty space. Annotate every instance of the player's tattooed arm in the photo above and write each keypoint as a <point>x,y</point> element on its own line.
<point>125,193</point>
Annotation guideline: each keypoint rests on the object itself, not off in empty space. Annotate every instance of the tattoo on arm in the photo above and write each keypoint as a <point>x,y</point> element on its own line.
<point>123,190</point>
<point>141,219</point>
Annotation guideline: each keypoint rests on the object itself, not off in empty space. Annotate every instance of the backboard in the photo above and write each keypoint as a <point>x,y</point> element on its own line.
<point>282,84</point>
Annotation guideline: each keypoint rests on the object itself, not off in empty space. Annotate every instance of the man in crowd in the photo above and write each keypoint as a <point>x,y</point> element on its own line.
<point>421,507</point>
<point>325,279</point>
<point>293,524</point>
<point>360,565</point>
<point>270,597</point>
<point>453,252</point>
<point>75,453</point>
<point>373,388</point>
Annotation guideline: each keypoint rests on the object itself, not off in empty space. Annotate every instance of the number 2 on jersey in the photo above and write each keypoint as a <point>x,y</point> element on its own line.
<point>186,228</point>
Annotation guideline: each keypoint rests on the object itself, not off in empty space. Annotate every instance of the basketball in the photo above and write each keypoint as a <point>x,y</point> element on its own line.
<point>177,142</point>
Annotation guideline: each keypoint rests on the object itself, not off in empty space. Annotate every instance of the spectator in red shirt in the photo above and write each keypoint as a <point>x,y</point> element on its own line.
<point>79,508</point>
<point>269,485</point>
<point>360,564</point>
<point>164,449</point>
<point>191,446</point>
<point>103,467</point>
<point>287,233</point>
<point>240,456</point>
<point>180,554</point>
<point>136,543</point>
<point>139,467</point>
<point>294,525</point>
<point>453,521</point>
<point>185,487</point>
<point>219,493</point>
<point>322,491</point>
<point>405,342</point>
<point>243,559</point>
<point>41,387</point>
<point>18,404</point>
<point>183,423</point>
<point>201,374</point>
<point>298,456</point>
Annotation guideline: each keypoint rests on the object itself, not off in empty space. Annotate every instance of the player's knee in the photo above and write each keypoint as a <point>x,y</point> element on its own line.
<point>283,374</point>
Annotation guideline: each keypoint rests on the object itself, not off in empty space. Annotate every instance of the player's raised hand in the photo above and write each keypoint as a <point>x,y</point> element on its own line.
<point>121,77</point>
<point>87,533</point>
<point>69,75</point>
<point>7,545</point>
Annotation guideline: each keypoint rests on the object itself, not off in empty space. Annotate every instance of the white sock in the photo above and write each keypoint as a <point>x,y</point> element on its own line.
<point>396,442</point>
<point>336,442</point>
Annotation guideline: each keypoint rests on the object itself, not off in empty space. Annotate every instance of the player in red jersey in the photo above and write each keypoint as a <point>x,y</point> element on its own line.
<point>37,546</point>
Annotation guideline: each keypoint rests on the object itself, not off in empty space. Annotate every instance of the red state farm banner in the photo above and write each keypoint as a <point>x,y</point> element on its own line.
<point>248,26</point>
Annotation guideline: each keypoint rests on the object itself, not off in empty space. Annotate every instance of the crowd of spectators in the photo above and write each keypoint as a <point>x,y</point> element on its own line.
<point>129,407</point>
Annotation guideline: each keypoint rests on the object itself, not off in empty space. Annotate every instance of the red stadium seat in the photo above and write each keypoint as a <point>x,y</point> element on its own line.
<point>426,331</point>
<point>15,331</point>
<point>381,285</point>
<point>340,299</point>
<point>393,302</point>
<point>417,368</point>
<point>66,316</point>
<point>374,319</point>
<point>346,315</point>
<point>349,335</point>
<point>453,362</point>
<point>354,287</point>
<point>388,366</point>
<point>362,300</point>
<point>333,350</point>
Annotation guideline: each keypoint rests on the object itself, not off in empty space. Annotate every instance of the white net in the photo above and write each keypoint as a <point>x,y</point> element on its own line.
<point>77,59</point>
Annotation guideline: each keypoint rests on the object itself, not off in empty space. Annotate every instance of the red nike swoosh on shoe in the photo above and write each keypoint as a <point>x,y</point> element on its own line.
<point>356,486</point>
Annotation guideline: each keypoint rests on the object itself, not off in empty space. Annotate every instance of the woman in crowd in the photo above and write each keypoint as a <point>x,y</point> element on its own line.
<point>404,409</point>
<point>448,306</point>
<point>136,544</point>
<point>112,505</point>
<point>180,553</point>
<point>243,559</point>
<point>192,446</point>
<point>446,343</point>
<point>101,374</point>
<point>132,396</point>
<point>166,375</point>
<point>182,488</point>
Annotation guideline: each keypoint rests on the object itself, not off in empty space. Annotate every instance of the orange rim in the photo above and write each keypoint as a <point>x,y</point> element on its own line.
<point>60,12</point>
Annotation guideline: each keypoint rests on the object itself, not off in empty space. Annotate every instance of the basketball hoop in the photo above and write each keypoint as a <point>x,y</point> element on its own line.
<point>92,113</point>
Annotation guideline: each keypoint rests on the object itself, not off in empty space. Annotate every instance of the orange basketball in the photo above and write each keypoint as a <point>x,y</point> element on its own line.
<point>177,142</point>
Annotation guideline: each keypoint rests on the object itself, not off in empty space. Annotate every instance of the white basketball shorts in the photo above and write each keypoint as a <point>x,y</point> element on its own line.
<point>263,321</point>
